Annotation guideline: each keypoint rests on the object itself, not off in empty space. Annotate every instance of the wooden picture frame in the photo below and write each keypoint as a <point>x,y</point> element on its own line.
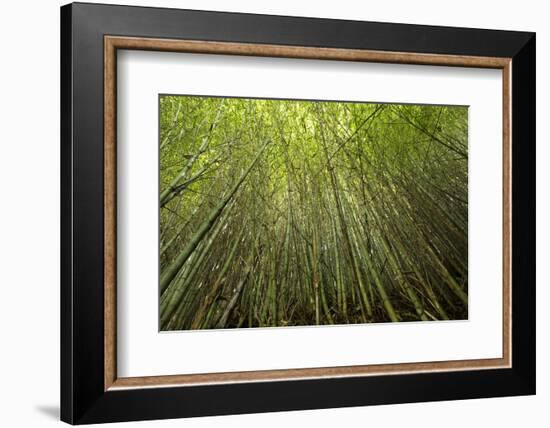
<point>91,390</point>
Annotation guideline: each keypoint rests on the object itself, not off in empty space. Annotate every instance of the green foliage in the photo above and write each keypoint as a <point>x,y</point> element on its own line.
<point>278,213</point>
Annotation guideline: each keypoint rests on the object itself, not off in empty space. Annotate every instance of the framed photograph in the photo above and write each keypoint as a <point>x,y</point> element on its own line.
<point>266,213</point>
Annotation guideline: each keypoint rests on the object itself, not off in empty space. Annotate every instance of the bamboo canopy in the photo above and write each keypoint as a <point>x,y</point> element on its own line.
<point>287,213</point>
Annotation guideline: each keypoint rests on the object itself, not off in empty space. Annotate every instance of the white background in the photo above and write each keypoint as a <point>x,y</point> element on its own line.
<point>29,226</point>
<point>142,351</point>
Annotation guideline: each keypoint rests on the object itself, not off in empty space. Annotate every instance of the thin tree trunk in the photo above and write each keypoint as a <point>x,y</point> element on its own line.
<point>170,272</point>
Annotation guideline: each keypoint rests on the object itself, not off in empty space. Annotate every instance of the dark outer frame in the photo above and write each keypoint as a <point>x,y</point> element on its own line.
<point>83,396</point>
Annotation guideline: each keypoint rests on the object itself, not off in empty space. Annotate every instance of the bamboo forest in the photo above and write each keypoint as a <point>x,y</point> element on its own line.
<point>291,213</point>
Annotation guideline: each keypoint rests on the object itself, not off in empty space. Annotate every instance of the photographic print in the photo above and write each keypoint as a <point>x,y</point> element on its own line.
<point>281,212</point>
